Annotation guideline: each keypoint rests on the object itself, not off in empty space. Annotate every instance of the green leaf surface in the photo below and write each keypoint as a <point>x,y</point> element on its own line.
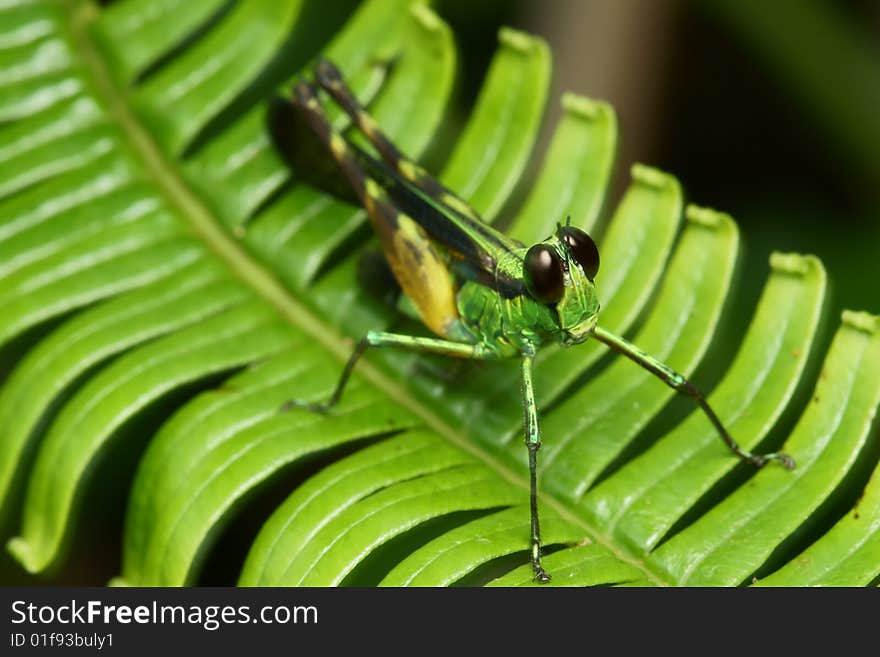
<point>198,471</point>
<point>35,95</point>
<point>342,543</point>
<point>76,281</point>
<point>32,61</point>
<point>136,34</point>
<point>588,565</point>
<point>192,88</point>
<point>50,158</point>
<point>192,295</point>
<point>494,148</point>
<point>166,284</point>
<point>846,555</point>
<point>447,559</point>
<point>25,23</point>
<point>575,173</point>
<point>337,488</point>
<point>226,341</point>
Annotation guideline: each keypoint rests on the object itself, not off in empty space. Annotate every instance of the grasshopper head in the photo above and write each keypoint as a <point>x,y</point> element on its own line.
<point>559,272</point>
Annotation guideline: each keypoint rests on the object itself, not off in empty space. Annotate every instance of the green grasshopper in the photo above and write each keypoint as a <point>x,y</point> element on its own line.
<point>484,294</point>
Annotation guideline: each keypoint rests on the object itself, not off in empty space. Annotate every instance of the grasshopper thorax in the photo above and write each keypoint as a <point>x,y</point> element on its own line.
<point>559,273</point>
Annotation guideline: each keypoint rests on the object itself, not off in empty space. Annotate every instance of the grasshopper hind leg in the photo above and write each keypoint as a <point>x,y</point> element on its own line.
<point>330,79</point>
<point>377,280</point>
<point>418,265</point>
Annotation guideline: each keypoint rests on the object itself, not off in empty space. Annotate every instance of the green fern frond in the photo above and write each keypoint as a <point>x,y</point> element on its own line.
<point>166,283</point>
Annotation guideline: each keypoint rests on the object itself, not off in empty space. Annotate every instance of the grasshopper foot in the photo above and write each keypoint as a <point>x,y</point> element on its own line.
<point>541,575</point>
<point>760,460</point>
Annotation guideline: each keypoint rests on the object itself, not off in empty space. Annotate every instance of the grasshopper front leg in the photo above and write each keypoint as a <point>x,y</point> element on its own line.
<point>331,80</point>
<point>533,444</point>
<point>457,350</point>
<point>680,384</point>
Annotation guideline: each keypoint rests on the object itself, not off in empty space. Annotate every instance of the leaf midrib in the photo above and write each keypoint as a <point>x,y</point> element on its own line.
<point>168,177</point>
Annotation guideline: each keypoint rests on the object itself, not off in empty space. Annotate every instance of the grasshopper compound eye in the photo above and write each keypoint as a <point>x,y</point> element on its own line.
<point>582,249</point>
<point>543,271</point>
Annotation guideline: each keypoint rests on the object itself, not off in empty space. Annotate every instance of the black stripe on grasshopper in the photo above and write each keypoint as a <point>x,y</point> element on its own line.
<point>303,120</point>
<point>330,79</point>
<point>418,263</point>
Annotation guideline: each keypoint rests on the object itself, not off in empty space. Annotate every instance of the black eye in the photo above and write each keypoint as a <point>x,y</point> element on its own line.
<point>544,274</point>
<point>583,249</point>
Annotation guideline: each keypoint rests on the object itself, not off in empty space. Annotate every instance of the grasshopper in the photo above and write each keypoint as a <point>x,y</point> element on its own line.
<point>484,295</point>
